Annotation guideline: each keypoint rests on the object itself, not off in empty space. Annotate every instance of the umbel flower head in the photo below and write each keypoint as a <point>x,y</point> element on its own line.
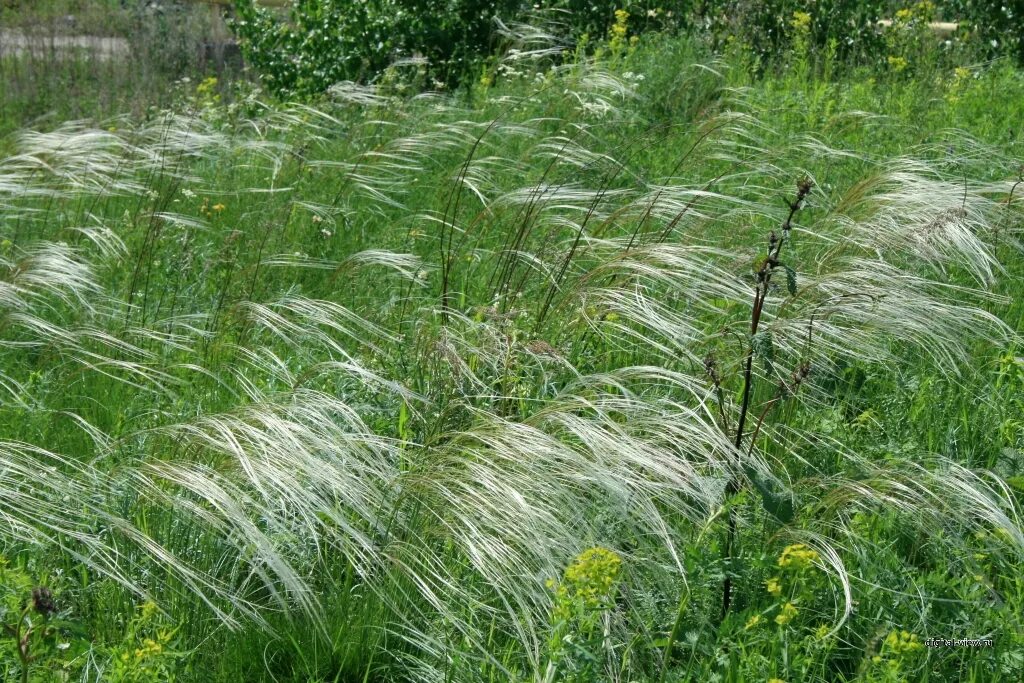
<point>902,642</point>
<point>786,614</point>
<point>589,582</point>
<point>797,556</point>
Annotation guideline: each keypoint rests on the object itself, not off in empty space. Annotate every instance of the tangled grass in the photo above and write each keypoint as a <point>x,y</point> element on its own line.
<point>373,373</point>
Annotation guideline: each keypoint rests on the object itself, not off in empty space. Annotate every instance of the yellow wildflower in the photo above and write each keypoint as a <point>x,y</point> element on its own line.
<point>786,614</point>
<point>776,680</point>
<point>801,22</point>
<point>617,33</point>
<point>219,207</point>
<point>774,586</point>
<point>588,582</point>
<point>797,556</point>
<point>206,85</point>
<point>752,622</point>
<point>904,14</point>
<point>148,610</point>
<point>898,64</point>
<point>902,642</point>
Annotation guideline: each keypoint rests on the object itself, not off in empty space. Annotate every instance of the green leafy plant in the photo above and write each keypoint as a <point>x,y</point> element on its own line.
<point>146,652</point>
<point>28,620</point>
<point>583,602</point>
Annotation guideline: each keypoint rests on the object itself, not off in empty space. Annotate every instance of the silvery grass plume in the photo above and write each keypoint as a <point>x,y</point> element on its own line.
<point>526,440</point>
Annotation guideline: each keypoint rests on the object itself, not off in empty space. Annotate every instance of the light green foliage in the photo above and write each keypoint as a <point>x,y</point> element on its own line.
<point>583,603</point>
<point>145,653</point>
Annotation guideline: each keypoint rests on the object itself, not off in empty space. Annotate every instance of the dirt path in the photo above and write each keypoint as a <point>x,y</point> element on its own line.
<point>18,43</point>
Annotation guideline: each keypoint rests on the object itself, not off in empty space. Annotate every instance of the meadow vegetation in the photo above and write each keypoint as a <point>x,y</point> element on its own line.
<point>624,360</point>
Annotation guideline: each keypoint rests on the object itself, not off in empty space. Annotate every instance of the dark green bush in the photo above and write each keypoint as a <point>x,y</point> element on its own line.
<point>767,25</point>
<point>595,17</point>
<point>998,27</point>
<point>321,42</point>
<point>987,27</point>
<point>325,41</point>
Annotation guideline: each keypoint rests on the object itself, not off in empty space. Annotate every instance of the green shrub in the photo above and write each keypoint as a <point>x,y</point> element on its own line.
<point>322,42</point>
<point>998,27</point>
<point>768,26</point>
<point>327,41</point>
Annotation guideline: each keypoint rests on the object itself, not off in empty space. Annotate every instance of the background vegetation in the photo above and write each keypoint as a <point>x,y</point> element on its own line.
<point>644,356</point>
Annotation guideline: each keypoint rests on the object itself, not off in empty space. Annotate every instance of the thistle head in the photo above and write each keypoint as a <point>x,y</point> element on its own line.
<point>42,601</point>
<point>803,188</point>
<point>711,370</point>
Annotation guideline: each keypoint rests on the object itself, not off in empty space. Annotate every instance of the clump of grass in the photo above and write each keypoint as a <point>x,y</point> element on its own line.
<point>422,357</point>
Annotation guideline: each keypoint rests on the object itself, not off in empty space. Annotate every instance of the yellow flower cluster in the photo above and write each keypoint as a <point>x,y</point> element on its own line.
<point>208,210</point>
<point>206,91</point>
<point>923,11</point>
<point>774,586</point>
<point>786,614</point>
<point>206,86</point>
<point>148,610</point>
<point>902,642</point>
<point>898,64</point>
<point>588,582</point>
<point>752,622</point>
<point>617,33</point>
<point>150,648</point>
<point>801,22</point>
<point>797,556</point>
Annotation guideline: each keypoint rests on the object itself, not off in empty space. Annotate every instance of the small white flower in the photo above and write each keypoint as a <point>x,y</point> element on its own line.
<point>325,233</point>
<point>188,193</point>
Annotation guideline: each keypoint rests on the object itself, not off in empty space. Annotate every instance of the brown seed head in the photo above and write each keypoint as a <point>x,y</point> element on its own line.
<point>42,601</point>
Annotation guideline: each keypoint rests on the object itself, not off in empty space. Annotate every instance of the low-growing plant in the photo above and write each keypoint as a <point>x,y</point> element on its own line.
<point>30,624</point>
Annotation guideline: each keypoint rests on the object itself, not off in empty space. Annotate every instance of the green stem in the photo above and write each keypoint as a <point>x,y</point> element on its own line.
<point>683,603</point>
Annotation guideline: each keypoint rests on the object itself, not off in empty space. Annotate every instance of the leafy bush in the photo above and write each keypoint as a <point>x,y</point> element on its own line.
<point>595,17</point>
<point>323,42</point>
<point>768,26</point>
<point>998,26</point>
<point>851,26</point>
<point>327,41</point>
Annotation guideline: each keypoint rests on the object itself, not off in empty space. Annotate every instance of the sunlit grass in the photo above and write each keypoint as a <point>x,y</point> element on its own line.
<point>351,384</point>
